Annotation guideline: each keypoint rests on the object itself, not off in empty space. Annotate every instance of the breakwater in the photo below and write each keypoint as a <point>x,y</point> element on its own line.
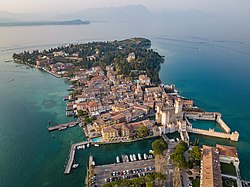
<point>234,136</point>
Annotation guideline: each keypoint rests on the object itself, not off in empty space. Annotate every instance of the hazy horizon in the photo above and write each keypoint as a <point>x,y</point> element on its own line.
<point>54,7</point>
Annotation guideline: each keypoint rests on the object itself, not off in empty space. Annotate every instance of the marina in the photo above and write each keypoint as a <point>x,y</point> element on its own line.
<point>72,156</point>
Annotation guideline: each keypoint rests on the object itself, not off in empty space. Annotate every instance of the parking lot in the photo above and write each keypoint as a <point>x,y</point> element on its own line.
<point>108,173</point>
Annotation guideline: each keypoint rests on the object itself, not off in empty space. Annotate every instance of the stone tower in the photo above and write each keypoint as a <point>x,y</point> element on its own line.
<point>178,105</point>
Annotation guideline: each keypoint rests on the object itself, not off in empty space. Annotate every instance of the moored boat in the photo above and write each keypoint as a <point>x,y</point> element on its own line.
<point>134,157</point>
<point>62,128</point>
<point>145,156</point>
<point>131,158</point>
<point>117,159</point>
<point>75,166</point>
<point>139,156</point>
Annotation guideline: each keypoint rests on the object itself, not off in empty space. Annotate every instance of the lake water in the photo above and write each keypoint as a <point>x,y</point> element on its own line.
<point>213,72</point>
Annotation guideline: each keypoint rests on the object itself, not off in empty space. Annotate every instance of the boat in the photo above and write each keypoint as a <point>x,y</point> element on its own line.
<point>126,158</point>
<point>177,139</point>
<point>134,157</point>
<point>75,166</point>
<point>139,156</point>
<point>123,158</point>
<point>66,98</point>
<point>62,128</point>
<point>145,156</point>
<point>88,145</point>
<point>83,146</point>
<point>150,156</point>
<point>93,163</point>
<point>131,158</point>
<point>96,145</point>
<point>117,159</point>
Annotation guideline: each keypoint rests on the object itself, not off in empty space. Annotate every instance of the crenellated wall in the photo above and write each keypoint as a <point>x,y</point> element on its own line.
<point>234,136</point>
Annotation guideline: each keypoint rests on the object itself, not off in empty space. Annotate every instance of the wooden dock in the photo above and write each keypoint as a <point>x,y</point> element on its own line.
<point>72,156</point>
<point>62,126</point>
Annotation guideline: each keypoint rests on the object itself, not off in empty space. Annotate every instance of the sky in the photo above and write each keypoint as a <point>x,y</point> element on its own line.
<point>68,6</point>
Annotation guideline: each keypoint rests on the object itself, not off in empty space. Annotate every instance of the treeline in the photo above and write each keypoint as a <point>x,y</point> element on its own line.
<point>105,53</point>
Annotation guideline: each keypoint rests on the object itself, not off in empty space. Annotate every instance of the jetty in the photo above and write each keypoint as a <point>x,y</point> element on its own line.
<point>62,126</point>
<point>72,155</point>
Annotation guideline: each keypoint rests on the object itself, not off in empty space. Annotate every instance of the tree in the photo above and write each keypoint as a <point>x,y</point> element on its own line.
<point>177,155</point>
<point>80,113</point>
<point>159,146</point>
<point>195,155</point>
<point>143,132</point>
<point>179,160</point>
<point>181,147</point>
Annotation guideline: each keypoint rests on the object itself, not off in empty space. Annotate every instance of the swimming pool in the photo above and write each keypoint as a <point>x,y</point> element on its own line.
<point>98,139</point>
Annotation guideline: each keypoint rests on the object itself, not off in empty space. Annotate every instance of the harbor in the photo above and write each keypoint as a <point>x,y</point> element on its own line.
<point>72,155</point>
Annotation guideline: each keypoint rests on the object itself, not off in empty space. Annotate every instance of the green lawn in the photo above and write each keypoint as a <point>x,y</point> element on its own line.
<point>228,169</point>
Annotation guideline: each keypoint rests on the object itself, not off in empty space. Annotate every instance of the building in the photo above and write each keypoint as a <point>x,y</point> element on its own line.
<point>118,131</point>
<point>131,57</point>
<point>228,155</point>
<point>210,167</point>
<point>144,80</point>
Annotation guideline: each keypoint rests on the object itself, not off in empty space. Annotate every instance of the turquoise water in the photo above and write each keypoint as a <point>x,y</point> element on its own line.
<point>96,139</point>
<point>203,124</point>
<point>216,75</point>
<point>213,73</point>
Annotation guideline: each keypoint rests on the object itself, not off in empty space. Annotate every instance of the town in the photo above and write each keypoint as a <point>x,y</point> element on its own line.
<point>117,96</point>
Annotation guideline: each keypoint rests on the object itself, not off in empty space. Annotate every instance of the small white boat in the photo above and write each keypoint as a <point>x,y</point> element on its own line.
<point>145,156</point>
<point>93,163</point>
<point>88,145</point>
<point>139,156</point>
<point>83,146</point>
<point>75,166</point>
<point>126,158</point>
<point>134,157</point>
<point>177,139</point>
<point>131,158</point>
<point>117,159</point>
<point>96,145</point>
<point>62,128</point>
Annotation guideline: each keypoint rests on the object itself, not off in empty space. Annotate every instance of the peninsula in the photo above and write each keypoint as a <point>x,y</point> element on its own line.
<point>116,93</point>
<point>43,23</point>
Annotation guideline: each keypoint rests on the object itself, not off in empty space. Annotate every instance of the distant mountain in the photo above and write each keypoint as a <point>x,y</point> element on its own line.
<point>15,17</point>
<point>126,13</point>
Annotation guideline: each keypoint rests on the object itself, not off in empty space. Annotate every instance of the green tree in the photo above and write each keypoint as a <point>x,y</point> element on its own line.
<point>159,146</point>
<point>181,147</point>
<point>143,132</point>
<point>81,112</point>
<point>195,153</point>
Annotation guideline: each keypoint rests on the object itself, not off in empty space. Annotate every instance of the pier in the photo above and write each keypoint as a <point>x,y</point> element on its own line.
<point>72,156</point>
<point>62,126</point>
